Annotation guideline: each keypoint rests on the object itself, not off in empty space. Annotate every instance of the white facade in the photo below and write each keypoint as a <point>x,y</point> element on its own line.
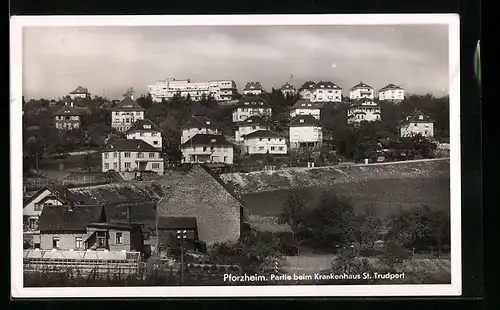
<point>310,134</point>
<point>314,112</point>
<point>130,161</point>
<point>151,137</point>
<point>243,112</point>
<point>220,90</point>
<point>33,209</point>
<point>326,95</point>
<point>306,90</point>
<point>391,95</point>
<point>288,90</point>
<point>262,145</point>
<point>252,92</point>
<point>367,111</point>
<point>207,154</point>
<point>425,129</point>
<point>245,129</point>
<point>78,96</point>
<point>361,91</point>
<point>123,120</point>
<point>188,133</point>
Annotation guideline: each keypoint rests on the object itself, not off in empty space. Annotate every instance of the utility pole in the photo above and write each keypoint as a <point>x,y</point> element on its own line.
<point>181,236</point>
<point>157,235</point>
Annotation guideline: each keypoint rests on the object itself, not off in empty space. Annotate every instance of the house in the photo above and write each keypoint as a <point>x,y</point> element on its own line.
<point>391,92</point>
<point>251,105</point>
<point>207,148</point>
<point>326,92</point>
<point>417,123</point>
<point>221,90</point>
<point>306,107</point>
<point>147,131</point>
<point>363,111</point>
<point>251,124</point>
<point>125,114</point>
<point>68,117</point>
<point>129,157</point>
<point>305,131</point>
<point>86,227</point>
<point>306,89</point>
<point>253,88</point>
<point>79,93</point>
<point>360,91</point>
<point>198,124</point>
<point>264,142</point>
<point>203,195</point>
<point>288,90</point>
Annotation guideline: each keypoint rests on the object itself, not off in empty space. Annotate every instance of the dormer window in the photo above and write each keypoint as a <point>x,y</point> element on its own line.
<point>322,86</point>
<point>147,126</point>
<point>421,117</point>
<point>208,122</point>
<point>308,104</point>
<point>301,120</point>
<point>247,103</point>
<point>249,121</point>
<point>303,104</point>
<point>138,146</point>
<point>213,140</point>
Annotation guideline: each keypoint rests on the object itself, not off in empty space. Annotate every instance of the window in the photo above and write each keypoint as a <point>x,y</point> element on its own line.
<point>55,242</point>
<point>119,238</point>
<point>106,155</point>
<point>127,154</point>
<point>38,207</point>
<point>101,239</point>
<point>115,155</point>
<point>155,166</point>
<point>415,124</point>
<point>225,159</point>
<point>426,125</point>
<point>151,155</point>
<point>260,139</point>
<point>142,134</point>
<point>426,132</point>
<point>254,127</point>
<point>155,142</point>
<point>261,148</point>
<point>140,155</point>
<point>78,242</point>
<point>204,149</point>
<point>127,165</point>
<point>272,148</point>
<point>106,166</point>
<point>115,166</point>
<point>280,148</point>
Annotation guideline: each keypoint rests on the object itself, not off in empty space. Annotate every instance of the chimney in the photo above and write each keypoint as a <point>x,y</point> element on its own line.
<point>129,218</point>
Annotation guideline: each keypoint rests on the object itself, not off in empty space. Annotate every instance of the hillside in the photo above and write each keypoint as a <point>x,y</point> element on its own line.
<point>265,181</point>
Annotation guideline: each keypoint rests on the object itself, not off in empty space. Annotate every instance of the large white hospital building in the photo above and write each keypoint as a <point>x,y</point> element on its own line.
<point>223,90</point>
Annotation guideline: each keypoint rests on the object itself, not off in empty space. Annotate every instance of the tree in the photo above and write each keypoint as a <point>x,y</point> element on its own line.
<point>129,92</point>
<point>145,101</point>
<point>367,227</point>
<point>294,208</point>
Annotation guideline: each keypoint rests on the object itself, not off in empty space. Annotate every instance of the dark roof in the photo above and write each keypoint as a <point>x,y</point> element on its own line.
<point>140,124</point>
<point>415,118</point>
<point>68,110</point>
<point>361,85</point>
<point>140,212</point>
<point>390,86</point>
<point>306,104</point>
<point>80,90</point>
<point>308,120</point>
<point>253,86</point>
<point>327,85</point>
<point>287,86</point>
<point>62,219</point>
<point>53,194</point>
<point>199,121</point>
<point>207,139</point>
<point>171,223</point>
<point>263,134</point>
<point>253,120</point>
<point>133,145</point>
<point>252,101</point>
<point>308,85</point>
<point>127,104</point>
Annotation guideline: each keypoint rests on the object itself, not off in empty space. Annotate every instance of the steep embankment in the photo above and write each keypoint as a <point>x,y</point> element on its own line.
<point>265,181</point>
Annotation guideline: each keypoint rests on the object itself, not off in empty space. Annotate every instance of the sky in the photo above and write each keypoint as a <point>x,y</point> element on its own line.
<point>108,60</point>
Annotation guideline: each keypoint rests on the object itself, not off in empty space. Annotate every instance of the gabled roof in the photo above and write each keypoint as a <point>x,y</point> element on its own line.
<point>306,104</point>
<point>127,104</point>
<point>139,212</point>
<point>390,86</point>
<point>308,85</point>
<point>361,85</point>
<point>253,120</point>
<point>132,145</point>
<point>252,101</point>
<point>229,188</point>
<point>80,90</point>
<point>287,86</point>
<point>263,134</point>
<point>305,120</point>
<point>68,110</point>
<point>180,222</point>
<point>418,117</point>
<point>53,194</point>
<point>141,124</point>
<point>207,139</point>
<point>56,219</point>
<point>253,86</point>
<point>326,85</point>
<point>199,121</point>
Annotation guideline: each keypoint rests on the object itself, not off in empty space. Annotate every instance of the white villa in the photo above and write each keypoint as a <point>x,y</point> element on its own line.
<point>251,124</point>
<point>288,90</point>
<point>207,148</point>
<point>305,107</point>
<point>418,123</point>
<point>263,142</point>
<point>361,91</point>
<point>306,90</point>
<point>125,114</point>
<point>223,90</point>
<point>391,92</point>
<point>364,111</point>
<point>305,131</point>
<point>147,131</point>
<point>198,124</point>
<point>130,157</point>
<point>326,92</point>
<point>251,105</point>
<point>79,93</point>
<point>68,117</point>
<point>253,88</point>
